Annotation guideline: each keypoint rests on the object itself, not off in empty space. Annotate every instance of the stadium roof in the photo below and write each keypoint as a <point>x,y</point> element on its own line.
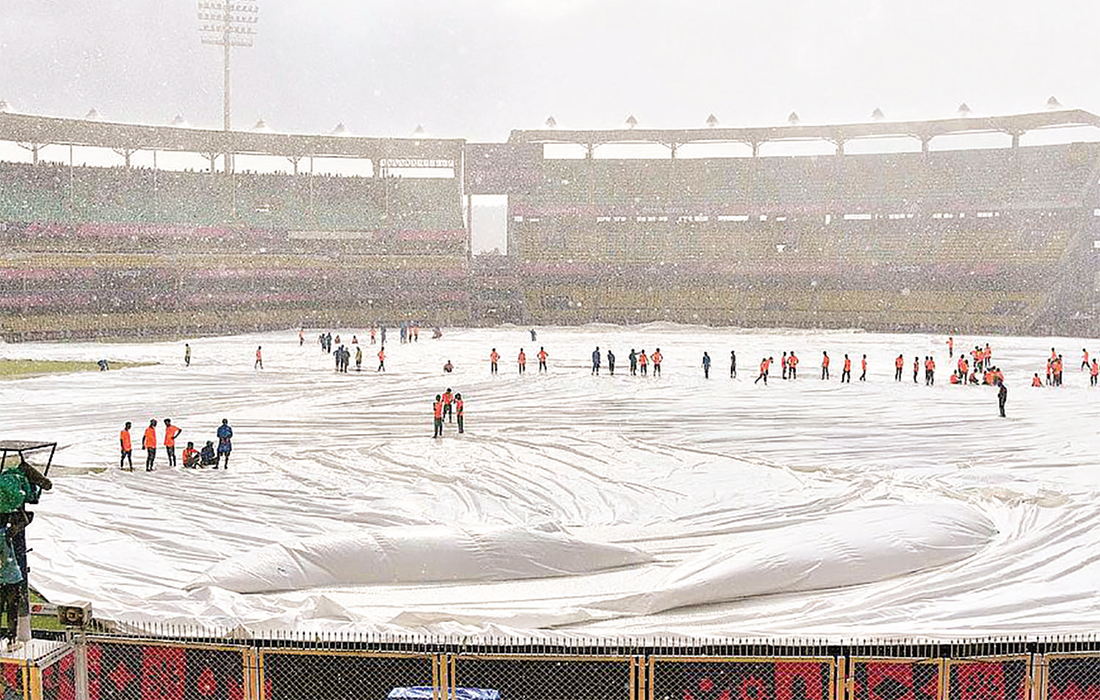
<point>30,129</point>
<point>837,133</point>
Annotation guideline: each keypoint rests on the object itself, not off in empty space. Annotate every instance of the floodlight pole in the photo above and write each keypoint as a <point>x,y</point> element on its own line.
<point>227,23</point>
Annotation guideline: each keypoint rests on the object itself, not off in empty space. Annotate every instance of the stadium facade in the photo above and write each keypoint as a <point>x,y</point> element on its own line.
<point>990,240</point>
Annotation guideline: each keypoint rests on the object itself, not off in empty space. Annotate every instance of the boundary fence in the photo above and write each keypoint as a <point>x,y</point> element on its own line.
<point>143,666</point>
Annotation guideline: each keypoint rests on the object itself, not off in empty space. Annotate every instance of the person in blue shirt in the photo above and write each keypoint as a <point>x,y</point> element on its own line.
<point>610,361</point>
<point>596,360</point>
<point>706,365</point>
<point>225,442</point>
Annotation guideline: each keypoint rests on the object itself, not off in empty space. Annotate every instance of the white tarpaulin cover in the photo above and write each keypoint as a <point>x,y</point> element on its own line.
<point>574,504</point>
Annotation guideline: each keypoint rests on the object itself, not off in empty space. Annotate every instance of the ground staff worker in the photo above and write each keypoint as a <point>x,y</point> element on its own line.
<point>127,447</point>
<point>437,412</point>
<point>170,433</point>
<point>149,442</point>
<point>460,408</point>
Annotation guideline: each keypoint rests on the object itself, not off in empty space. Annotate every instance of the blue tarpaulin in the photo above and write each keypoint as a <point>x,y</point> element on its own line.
<point>424,692</point>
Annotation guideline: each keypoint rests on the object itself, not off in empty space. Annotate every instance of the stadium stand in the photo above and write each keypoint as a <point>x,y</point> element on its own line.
<point>993,240</point>
<point>91,251</point>
<point>939,240</point>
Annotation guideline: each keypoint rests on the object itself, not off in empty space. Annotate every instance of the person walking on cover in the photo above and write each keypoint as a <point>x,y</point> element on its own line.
<point>863,368</point>
<point>259,363</point>
<point>494,358</point>
<point>899,365</point>
<point>610,362</point>
<point>792,365</point>
<point>764,366</point>
<point>381,359</point>
<point>225,442</point>
<point>706,365</point>
<point>1002,396</point>
<point>522,361</point>
<point>460,411</point>
<point>916,368</point>
<point>950,347</point>
<point>846,372</point>
<point>149,442</point>
<point>1094,370</point>
<point>186,354</point>
<point>783,365</point>
<point>170,433</point>
<point>542,359</point>
<point>824,366</point>
<point>657,357</point>
<point>633,357</point>
<point>127,447</point>
<point>643,362</point>
<point>733,364</point>
<point>358,358</point>
<point>596,360</point>
<point>437,413</point>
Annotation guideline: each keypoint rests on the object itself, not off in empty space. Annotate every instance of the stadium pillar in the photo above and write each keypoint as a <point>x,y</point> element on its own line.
<point>924,142</point>
<point>1015,138</point>
<point>755,149</point>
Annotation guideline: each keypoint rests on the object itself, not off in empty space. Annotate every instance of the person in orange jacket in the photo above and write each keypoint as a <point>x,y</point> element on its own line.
<point>899,365</point>
<point>863,368</point>
<point>460,410</point>
<point>448,399</point>
<point>437,413</point>
<point>170,433</point>
<point>1035,381</point>
<point>792,365</point>
<point>916,368</point>
<point>765,364</point>
<point>522,361</point>
<point>494,358</point>
<point>824,365</point>
<point>127,447</point>
<point>643,361</point>
<point>259,363</point>
<point>846,371</point>
<point>381,359</point>
<point>190,456</point>
<point>1093,371</point>
<point>149,442</point>
<point>930,371</point>
<point>542,359</point>
<point>657,357</point>
<point>1084,359</point>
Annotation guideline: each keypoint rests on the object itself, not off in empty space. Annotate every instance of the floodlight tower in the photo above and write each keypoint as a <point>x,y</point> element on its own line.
<point>228,23</point>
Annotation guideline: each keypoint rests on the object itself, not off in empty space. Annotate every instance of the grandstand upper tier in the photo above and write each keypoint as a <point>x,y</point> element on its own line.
<point>92,250</point>
<point>989,239</point>
<point>993,239</point>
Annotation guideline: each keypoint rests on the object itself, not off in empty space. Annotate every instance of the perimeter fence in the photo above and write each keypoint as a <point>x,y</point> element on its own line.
<point>190,666</point>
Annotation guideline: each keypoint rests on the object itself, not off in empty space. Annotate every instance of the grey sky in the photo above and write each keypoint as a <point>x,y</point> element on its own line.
<point>478,68</point>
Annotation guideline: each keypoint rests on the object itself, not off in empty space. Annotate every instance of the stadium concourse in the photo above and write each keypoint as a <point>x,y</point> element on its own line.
<point>574,504</point>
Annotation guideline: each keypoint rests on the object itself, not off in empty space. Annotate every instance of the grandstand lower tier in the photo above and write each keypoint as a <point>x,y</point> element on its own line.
<point>1002,312</point>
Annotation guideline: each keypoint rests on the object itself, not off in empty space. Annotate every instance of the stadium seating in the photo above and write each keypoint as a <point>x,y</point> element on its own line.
<point>976,239</point>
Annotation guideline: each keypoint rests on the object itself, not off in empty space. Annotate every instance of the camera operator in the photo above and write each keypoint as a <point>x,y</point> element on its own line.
<point>15,597</point>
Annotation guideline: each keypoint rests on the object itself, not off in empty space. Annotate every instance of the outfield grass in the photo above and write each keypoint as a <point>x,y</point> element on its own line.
<point>21,369</point>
